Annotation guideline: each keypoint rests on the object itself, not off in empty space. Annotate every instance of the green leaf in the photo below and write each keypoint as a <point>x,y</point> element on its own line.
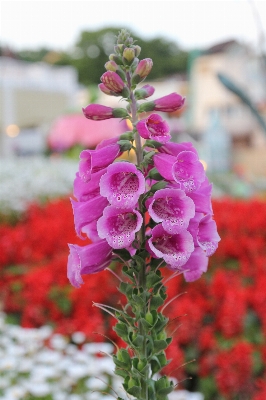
<point>160,345</point>
<point>158,186</point>
<point>125,145</point>
<point>122,330</point>
<point>156,301</point>
<point>165,391</point>
<point>138,300</point>
<point>123,356</point>
<point>129,135</point>
<point>153,143</point>
<point>135,391</point>
<point>161,322</point>
<point>154,174</point>
<point>126,289</point>
<point>152,279</point>
<point>138,341</point>
<point>123,253</point>
<point>121,372</point>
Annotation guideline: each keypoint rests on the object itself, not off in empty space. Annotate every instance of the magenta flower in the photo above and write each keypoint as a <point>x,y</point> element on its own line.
<point>97,112</point>
<point>174,249</point>
<point>173,208</point>
<point>86,212</point>
<point>87,260</point>
<point>174,149</point>
<point>171,102</point>
<point>144,92</point>
<point>91,231</point>
<point>92,161</point>
<point>122,184</point>
<point>204,231</point>
<point>195,266</point>
<point>202,198</point>
<point>118,226</point>
<point>113,82</point>
<point>208,237</point>
<point>154,128</point>
<point>84,191</point>
<point>185,169</point>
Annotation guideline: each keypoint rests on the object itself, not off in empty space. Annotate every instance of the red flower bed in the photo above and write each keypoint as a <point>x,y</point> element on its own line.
<point>220,320</point>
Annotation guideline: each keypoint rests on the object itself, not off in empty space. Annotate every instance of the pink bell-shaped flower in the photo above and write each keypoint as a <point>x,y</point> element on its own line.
<point>154,128</point>
<point>87,260</point>
<point>118,226</point>
<point>204,231</point>
<point>86,212</point>
<point>185,169</point>
<point>173,208</point>
<point>92,161</point>
<point>195,266</point>
<point>174,249</point>
<point>122,184</point>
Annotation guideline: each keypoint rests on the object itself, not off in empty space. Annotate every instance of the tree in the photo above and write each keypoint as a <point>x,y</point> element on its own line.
<point>93,47</point>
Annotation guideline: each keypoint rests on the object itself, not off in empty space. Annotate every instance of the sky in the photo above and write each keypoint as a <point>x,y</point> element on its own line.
<point>190,23</point>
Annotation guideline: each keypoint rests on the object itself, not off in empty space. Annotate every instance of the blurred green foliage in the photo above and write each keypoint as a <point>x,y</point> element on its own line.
<point>91,51</point>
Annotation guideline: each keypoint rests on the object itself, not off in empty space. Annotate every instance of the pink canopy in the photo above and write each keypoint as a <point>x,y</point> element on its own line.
<point>69,130</point>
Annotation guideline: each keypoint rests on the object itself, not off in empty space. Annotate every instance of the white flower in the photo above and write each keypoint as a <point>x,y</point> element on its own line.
<point>77,371</point>
<point>78,337</point>
<point>15,392</point>
<point>39,389</point>
<point>94,348</point>
<point>58,342</point>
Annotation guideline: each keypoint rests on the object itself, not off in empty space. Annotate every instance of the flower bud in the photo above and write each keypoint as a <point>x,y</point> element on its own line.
<point>111,66</point>
<point>129,55</point>
<point>143,69</point>
<point>117,59</point>
<point>137,50</point>
<point>149,317</point>
<point>98,112</point>
<point>141,364</point>
<point>144,92</point>
<point>113,82</point>
<point>119,48</point>
<point>169,103</point>
<point>107,91</point>
<point>124,37</point>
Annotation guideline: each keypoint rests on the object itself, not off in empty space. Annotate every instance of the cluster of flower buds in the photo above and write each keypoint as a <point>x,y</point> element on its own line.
<point>168,186</point>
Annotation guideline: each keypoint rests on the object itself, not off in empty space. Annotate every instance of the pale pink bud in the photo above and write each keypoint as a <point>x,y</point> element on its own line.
<point>129,54</point>
<point>143,69</point>
<point>111,66</point>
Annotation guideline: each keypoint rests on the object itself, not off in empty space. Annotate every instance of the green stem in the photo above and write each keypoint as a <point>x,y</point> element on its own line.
<point>142,275</point>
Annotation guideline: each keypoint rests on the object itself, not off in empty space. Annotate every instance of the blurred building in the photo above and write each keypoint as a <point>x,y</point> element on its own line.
<point>207,95</point>
<point>32,95</point>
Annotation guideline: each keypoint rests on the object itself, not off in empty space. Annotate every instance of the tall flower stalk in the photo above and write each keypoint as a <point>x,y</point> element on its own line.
<point>150,215</point>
